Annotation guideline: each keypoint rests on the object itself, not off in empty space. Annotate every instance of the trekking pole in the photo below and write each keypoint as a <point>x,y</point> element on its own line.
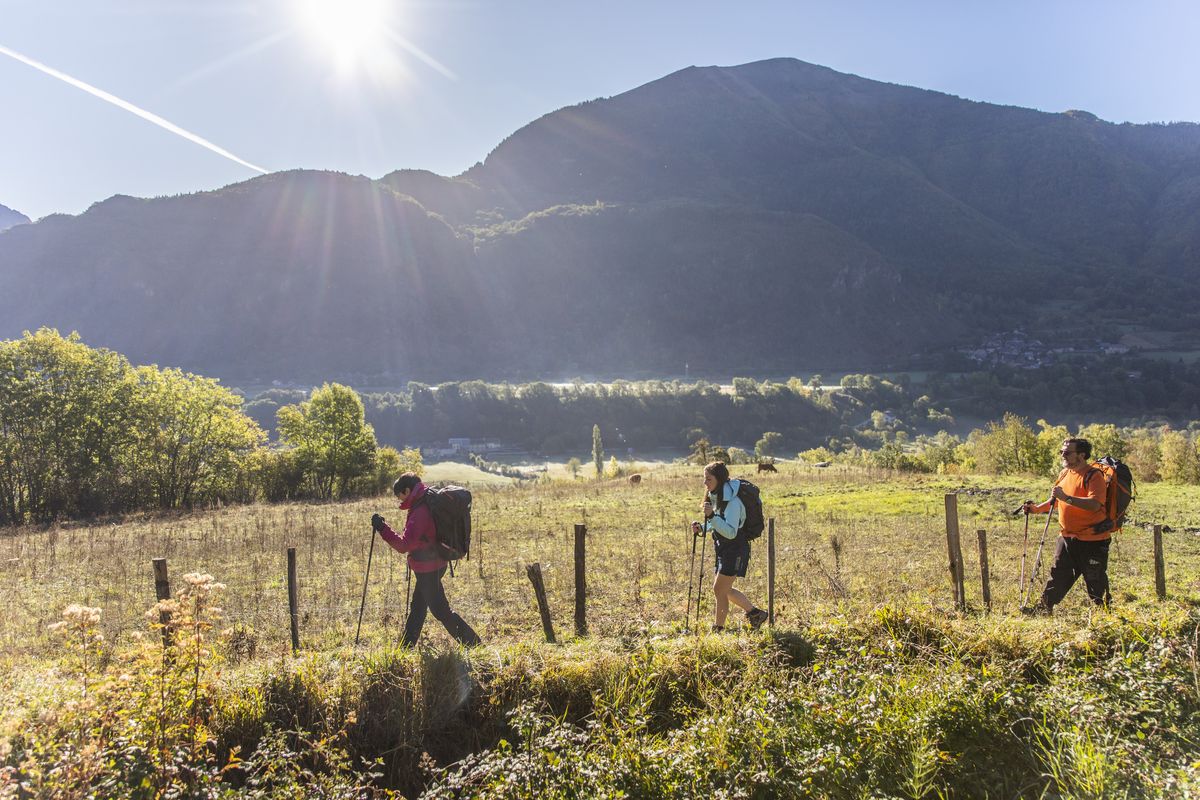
<point>363,605</point>
<point>700,581</point>
<point>1037,561</point>
<point>691,577</point>
<point>407,591</point>
<point>1024,548</point>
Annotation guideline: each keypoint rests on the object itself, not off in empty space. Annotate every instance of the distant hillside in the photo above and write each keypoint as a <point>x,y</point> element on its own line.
<point>8,218</point>
<point>772,216</point>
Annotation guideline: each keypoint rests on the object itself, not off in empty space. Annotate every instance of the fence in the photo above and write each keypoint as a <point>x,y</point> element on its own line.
<point>613,576</point>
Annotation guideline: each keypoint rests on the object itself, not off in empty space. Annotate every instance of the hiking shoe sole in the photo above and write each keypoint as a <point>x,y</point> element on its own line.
<point>756,618</point>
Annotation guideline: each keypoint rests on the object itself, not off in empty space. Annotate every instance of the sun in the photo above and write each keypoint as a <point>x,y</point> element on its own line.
<point>353,32</point>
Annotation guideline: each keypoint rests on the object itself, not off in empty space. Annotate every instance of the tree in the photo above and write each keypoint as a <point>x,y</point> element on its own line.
<point>64,426</point>
<point>745,387</point>
<point>738,456</point>
<point>1106,440</point>
<point>331,437</point>
<point>191,438</point>
<point>1007,447</point>
<point>700,449</point>
<point>614,468</point>
<point>387,465</point>
<point>1144,456</point>
<point>768,444</point>
<point>597,451</point>
<point>1180,463</point>
<point>573,466</point>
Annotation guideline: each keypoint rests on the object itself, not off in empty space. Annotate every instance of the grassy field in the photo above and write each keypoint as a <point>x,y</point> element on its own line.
<point>861,571</point>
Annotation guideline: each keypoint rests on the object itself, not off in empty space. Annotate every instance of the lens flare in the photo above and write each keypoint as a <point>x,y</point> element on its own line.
<point>353,31</point>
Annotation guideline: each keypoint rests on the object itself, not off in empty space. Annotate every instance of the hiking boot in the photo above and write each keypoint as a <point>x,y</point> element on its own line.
<point>756,617</point>
<point>718,628</point>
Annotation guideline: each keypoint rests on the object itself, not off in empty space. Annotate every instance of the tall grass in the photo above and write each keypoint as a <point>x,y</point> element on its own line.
<point>872,684</point>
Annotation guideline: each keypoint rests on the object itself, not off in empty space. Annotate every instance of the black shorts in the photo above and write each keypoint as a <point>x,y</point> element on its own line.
<point>733,560</point>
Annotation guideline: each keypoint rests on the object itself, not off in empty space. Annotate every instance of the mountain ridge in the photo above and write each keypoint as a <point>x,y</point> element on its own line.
<point>10,217</point>
<point>827,220</point>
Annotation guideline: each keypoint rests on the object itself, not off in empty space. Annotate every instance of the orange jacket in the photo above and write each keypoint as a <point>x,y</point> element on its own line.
<point>1074,522</point>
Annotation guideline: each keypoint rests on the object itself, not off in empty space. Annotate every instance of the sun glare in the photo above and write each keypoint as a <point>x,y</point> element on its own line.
<point>354,32</point>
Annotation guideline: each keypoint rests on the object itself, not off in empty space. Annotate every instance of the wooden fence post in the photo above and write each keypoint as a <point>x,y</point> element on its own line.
<point>580,580</point>
<point>771,572</point>
<point>954,547</point>
<point>162,590</point>
<point>983,570</point>
<point>1160,565</point>
<point>293,599</point>
<point>534,571</point>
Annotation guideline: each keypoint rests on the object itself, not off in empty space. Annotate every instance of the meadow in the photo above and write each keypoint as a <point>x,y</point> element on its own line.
<point>864,619</point>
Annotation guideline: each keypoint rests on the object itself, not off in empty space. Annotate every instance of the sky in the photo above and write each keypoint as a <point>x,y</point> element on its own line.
<point>198,94</point>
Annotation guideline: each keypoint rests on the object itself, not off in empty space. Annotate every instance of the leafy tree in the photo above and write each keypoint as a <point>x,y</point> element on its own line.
<point>614,468</point>
<point>331,437</point>
<point>939,453</point>
<point>1007,447</point>
<point>597,451</point>
<point>1107,440</point>
<point>739,456</point>
<point>700,449</point>
<point>388,464</point>
<point>1144,456</point>
<point>573,465</point>
<point>816,455</point>
<point>64,426</point>
<point>768,445</point>
<point>745,387</point>
<point>1180,463</point>
<point>191,438</point>
<point>1046,460</point>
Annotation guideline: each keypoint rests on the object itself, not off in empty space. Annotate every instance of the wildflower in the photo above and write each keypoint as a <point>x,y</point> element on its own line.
<point>156,611</point>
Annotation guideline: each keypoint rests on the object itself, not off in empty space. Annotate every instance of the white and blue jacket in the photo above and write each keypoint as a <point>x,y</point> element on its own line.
<point>725,526</point>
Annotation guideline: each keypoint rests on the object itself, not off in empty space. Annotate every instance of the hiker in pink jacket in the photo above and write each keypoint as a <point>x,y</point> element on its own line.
<point>419,542</point>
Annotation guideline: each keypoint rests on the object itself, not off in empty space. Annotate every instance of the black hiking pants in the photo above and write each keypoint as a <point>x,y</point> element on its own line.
<point>430,596</point>
<point>1073,558</point>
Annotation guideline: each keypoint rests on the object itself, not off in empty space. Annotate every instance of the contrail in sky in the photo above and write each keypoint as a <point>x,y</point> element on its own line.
<point>130,107</point>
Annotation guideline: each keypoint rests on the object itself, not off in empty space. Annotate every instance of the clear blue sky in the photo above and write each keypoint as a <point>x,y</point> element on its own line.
<point>261,80</point>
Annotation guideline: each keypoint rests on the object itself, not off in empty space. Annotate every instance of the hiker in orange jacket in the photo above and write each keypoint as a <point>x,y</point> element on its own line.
<point>1079,492</point>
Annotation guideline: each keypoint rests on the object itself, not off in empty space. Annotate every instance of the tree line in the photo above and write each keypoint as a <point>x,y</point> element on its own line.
<point>1011,446</point>
<point>83,433</point>
<point>645,415</point>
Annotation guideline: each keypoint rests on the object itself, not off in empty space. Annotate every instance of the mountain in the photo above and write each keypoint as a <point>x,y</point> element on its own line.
<point>772,216</point>
<point>9,218</point>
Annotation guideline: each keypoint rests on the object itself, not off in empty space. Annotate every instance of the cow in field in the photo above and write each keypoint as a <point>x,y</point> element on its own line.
<point>767,466</point>
<point>635,479</point>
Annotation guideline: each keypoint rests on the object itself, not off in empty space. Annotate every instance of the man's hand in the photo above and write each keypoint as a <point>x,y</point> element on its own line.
<point>1059,494</point>
<point>377,523</point>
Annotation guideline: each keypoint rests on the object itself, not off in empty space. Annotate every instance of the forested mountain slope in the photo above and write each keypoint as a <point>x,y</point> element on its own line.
<point>823,219</point>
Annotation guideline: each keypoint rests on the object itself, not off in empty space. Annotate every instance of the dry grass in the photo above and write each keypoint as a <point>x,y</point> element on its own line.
<point>891,530</point>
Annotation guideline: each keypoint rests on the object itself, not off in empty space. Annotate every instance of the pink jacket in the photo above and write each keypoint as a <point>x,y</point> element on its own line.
<point>419,534</point>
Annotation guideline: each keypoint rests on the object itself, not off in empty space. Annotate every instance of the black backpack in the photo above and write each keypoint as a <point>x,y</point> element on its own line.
<point>451,510</point>
<point>752,528</point>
